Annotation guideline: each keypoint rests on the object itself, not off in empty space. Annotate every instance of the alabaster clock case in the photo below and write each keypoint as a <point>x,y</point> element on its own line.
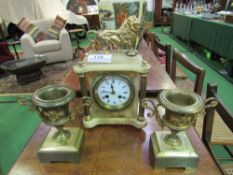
<point>114,89</point>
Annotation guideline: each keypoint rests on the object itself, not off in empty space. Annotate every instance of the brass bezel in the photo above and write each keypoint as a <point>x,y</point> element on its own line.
<point>111,107</point>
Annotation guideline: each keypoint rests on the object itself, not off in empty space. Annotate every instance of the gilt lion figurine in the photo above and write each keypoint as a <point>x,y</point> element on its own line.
<point>123,38</point>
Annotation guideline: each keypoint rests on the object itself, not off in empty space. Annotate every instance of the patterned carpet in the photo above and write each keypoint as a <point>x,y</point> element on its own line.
<point>52,74</point>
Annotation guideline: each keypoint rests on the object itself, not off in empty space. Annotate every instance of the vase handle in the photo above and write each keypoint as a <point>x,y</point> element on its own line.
<point>153,110</point>
<point>24,101</point>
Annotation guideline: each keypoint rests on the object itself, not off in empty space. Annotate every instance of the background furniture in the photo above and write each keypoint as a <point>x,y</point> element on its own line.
<point>5,54</point>
<point>217,37</point>
<point>76,33</point>
<point>86,8</point>
<point>188,64</point>
<point>160,12</point>
<point>167,50</point>
<point>226,116</point>
<point>167,20</point>
<point>26,70</point>
<point>181,26</point>
<point>93,20</point>
<point>55,50</point>
<point>161,51</point>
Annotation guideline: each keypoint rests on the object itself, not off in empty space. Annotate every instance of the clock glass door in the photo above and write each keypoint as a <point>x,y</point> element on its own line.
<point>113,92</point>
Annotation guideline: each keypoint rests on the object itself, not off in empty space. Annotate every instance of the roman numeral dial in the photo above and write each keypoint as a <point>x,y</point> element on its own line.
<point>113,92</point>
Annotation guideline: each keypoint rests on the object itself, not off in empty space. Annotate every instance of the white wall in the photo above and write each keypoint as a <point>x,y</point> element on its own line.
<point>14,10</point>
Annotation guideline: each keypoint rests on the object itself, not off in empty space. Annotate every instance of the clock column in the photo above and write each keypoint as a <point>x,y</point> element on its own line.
<point>142,95</point>
<point>85,98</point>
<point>113,103</point>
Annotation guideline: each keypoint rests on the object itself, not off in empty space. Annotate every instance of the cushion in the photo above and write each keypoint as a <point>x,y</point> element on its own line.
<point>56,27</point>
<point>31,29</point>
<point>47,46</point>
<point>23,24</point>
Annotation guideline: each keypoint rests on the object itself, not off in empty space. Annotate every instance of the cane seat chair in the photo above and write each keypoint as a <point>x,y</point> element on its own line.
<point>190,66</point>
<point>216,121</point>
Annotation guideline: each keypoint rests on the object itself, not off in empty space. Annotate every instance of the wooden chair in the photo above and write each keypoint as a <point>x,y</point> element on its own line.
<point>159,48</point>
<point>150,39</point>
<point>188,64</point>
<point>224,114</point>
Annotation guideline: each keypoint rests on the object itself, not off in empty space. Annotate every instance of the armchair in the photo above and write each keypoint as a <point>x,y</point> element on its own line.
<point>55,50</point>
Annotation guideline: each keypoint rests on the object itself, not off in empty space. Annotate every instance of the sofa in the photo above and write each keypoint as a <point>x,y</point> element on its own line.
<point>55,50</point>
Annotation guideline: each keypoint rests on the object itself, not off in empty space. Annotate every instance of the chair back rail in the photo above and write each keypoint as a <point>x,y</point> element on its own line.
<point>188,64</point>
<point>224,113</point>
<point>167,49</point>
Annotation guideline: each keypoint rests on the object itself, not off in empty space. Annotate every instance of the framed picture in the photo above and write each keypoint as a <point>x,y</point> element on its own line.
<point>106,15</point>
<point>113,12</point>
<point>124,10</point>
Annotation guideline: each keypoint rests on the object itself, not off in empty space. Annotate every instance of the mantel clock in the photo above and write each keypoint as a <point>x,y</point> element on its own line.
<point>115,84</point>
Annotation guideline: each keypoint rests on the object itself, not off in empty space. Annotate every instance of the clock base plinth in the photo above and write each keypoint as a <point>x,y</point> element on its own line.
<point>70,151</point>
<point>114,121</point>
<point>166,156</point>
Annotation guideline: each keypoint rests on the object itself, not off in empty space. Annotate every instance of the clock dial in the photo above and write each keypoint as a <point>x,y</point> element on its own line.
<point>113,92</point>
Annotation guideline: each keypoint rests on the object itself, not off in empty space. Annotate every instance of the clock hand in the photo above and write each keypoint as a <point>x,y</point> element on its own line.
<point>112,87</point>
<point>104,91</point>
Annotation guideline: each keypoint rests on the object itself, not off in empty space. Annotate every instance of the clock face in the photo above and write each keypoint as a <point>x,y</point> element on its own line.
<point>113,92</point>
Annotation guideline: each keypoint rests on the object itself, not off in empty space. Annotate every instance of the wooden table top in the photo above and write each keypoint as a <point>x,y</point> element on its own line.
<point>158,79</point>
<point>113,150</point>
<point>110,150</point>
